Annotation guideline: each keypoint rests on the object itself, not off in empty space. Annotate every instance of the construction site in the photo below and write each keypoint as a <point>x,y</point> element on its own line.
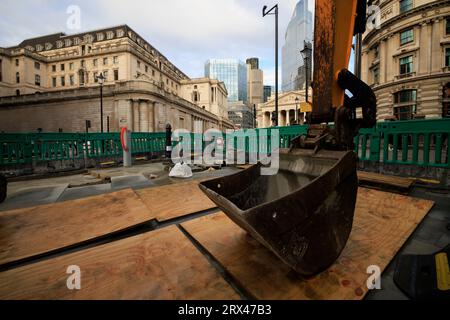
<point>340,207</point>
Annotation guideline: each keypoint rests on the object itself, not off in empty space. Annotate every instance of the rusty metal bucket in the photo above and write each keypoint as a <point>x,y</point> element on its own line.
<point>304,214</point>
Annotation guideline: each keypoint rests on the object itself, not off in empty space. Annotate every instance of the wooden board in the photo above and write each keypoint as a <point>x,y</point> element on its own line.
<point>175,200</point>
<point>36,230</point>
<point>162,264</point>
<point>385,181</point>
<point>383,222</point>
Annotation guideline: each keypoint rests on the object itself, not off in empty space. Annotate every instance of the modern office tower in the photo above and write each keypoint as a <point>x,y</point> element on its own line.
<point>233,73</point>
<point>255,78</point>
<point>300,29</point>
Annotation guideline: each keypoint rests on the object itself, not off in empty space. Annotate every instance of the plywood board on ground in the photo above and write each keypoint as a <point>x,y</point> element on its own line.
<point>385,181</point>
<point>32,231</point>
<point>383,222</point>
<point>161,264</point>
<point>175,200</point>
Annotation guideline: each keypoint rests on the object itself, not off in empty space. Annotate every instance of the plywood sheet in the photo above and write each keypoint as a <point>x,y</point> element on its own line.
<point>162,264</point>
<point>383,222</point>
<point>36,230</point>
<point>386,181</point>
<point>175,200</point>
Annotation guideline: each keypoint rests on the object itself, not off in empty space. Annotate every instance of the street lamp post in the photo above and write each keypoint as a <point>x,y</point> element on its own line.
<point>306,54</point>
<point>101,80</point>
<point>296,110</point>
<point>274,11</point>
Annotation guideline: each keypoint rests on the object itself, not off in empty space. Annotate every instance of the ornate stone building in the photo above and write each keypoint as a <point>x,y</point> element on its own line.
<point>407,60</point>
<point>51,83</point>
<point>288,103</point>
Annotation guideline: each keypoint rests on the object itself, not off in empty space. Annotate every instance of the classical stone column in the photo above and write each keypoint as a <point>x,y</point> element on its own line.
<point>151,116</point>
<point>130,118</point>
<point>382,58</point>
<point>143,110</point>
<point>135,116</point>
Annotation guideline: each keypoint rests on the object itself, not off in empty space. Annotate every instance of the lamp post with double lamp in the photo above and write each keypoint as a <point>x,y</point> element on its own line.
<point>306,54</point>
<point>101,80</point>
<point>297,100</point>
<point>274,11</point>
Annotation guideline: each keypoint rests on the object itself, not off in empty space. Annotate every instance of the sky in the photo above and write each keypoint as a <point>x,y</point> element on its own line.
<point>187,32</point>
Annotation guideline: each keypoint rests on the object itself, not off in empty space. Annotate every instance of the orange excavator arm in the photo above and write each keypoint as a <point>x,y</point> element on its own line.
<point>336,22</point>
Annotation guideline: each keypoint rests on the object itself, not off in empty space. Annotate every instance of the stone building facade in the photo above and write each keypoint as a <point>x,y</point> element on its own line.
<point>288,103</point>
<point>407,60</point>
<point>51,83</point>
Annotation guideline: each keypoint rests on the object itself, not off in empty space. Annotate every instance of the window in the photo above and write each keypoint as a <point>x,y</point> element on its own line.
<point>76,41</point>
<point>376,52</point>
<point>68,42</point>
<point>167,81</point>
<point>95,74</point>
<point>100,36</point>
<point>109,35</point>
<point>446,101</point>
<point>95,62</point>
<point>116,75</point>
<point>195,96</point>
<point>406,36</point>
<point>71,66</point>
<point>447,57</point>
<point>63,67</point>
<point>153,72</point>
<point>138,64</point>
<point>115,59</point>
<point>146,68</point>
<point>105,61</point>
<point>63,81</point>
<point>72,80</point>
<point>407,100</point>
<point>37,80</point>
<point>447,26</point>
<point>406,65</point>
<point>54,82</point>
<point>17,77</point>
<point>54,68</point>
<point>17,62</point>
<point>105,74</point>
<point>406,5</point>
<point>37,65</point>
<point>83,64</point>
<point>376,75</point>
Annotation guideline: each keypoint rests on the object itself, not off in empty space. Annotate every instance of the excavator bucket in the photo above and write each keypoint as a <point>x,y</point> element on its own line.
<point>303,214</point>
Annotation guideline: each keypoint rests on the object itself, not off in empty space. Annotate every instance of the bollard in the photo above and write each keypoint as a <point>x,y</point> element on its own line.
<point>168,143</point>
<point>125,138</point>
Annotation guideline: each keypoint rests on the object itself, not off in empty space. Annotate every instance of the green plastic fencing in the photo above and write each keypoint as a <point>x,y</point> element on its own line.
<point>16,149</point>
<point>416,142</point>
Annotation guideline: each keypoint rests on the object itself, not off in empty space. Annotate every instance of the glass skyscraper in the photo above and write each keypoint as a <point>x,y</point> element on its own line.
<point>300,28</point>
<point>233,73</point>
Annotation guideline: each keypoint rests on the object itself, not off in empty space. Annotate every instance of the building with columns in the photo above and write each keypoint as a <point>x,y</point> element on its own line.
<point>407,60</point>
<point>51,83</point>
<point>288,103</point>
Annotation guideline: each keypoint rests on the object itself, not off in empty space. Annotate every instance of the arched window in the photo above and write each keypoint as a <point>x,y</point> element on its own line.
<point>17,77</point>
<point>17,92</point>
<point>196,96</point>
